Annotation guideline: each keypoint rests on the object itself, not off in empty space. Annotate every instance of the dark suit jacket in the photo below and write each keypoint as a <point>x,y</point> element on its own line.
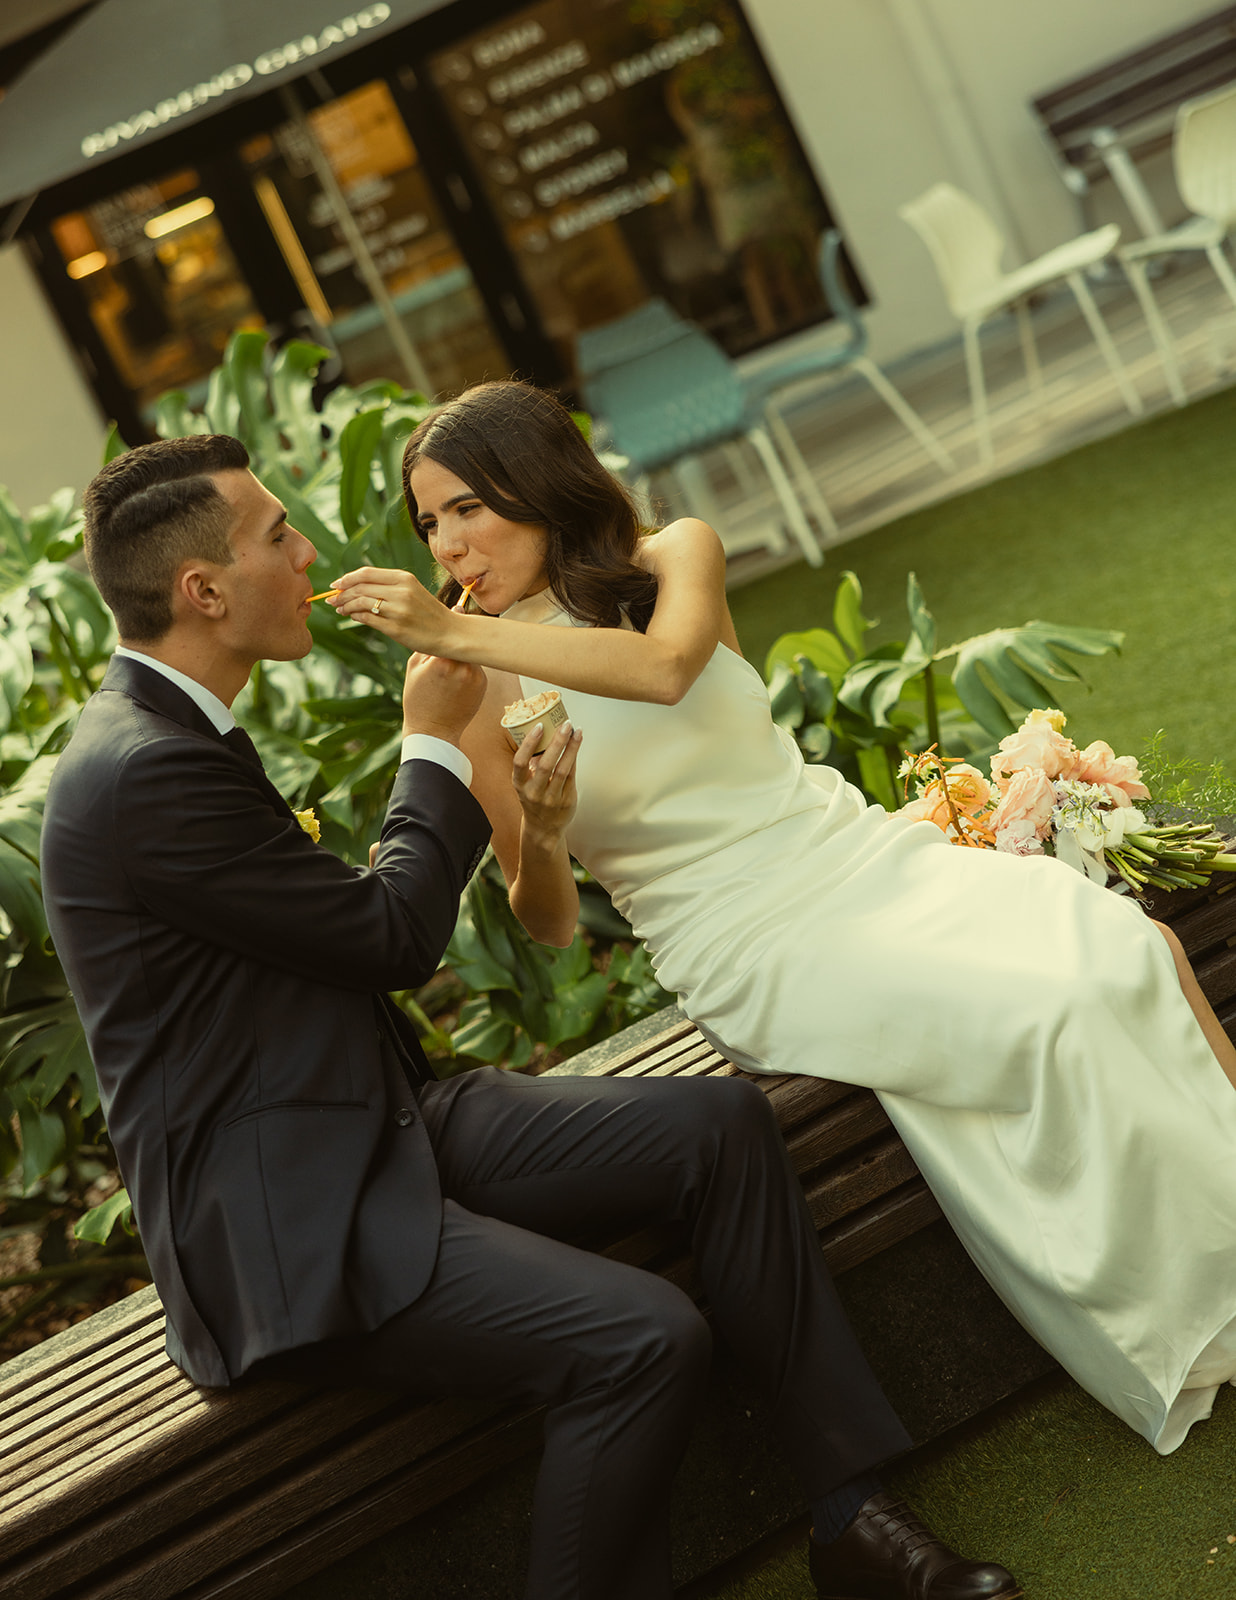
<point>230,976</point>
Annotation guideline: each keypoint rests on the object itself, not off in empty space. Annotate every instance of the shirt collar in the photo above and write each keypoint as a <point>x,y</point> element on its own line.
<point>208,704</point>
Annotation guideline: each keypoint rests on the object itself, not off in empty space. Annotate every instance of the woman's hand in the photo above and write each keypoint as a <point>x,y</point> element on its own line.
<point>545,785</point>
<point>396,604</point>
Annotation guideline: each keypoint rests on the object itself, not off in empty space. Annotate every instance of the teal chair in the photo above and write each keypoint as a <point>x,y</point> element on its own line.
<point>648,327</point>
<point>677,397</point>
<point>776,387</point>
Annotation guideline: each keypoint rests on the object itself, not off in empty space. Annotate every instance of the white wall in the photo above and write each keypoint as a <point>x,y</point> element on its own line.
<point>890,96</point>
<point>51,431</point>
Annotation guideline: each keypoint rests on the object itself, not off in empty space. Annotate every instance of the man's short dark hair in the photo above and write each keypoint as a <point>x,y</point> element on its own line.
<point>149,511</point>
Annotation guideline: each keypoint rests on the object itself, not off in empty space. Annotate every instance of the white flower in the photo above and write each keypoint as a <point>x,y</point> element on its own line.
<point>1082,811</point>
<point>1118,823</point>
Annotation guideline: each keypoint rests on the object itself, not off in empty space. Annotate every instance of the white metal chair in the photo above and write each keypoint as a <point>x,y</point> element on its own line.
<point>1204,156</point>
<point>966,246</point>
<point>777,385</point>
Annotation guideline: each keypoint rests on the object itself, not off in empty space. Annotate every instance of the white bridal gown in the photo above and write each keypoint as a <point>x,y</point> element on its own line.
<point>1024,1028</point>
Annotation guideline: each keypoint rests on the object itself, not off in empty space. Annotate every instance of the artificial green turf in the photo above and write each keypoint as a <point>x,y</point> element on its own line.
<point>1073,1502</point>
<point>1135,532</point>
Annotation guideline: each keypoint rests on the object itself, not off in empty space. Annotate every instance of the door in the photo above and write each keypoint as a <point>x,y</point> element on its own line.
<point>396,232</point>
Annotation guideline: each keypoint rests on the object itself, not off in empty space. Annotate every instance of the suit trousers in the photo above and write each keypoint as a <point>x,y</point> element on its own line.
<point>619,1356</point>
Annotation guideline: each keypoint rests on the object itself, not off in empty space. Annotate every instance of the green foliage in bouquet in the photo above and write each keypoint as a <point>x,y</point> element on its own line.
<point>1200,788</point>
<point>860,710</point>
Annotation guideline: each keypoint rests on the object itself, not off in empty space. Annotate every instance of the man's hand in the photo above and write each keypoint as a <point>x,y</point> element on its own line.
<point>441,697</point>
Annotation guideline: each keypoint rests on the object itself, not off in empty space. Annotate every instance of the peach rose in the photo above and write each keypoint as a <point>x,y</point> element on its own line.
<point>929,807</point>
<point>970,790</point>
<point>1035,744</point>
<point>1119,775</point>
<point>1025,808</point>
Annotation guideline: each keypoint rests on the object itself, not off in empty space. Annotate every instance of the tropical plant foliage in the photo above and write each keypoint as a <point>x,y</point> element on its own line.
<point>328,729</point>
<point>860,709</point>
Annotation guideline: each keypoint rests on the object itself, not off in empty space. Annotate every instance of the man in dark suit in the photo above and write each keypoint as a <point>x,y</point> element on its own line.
<point>313,1202</point>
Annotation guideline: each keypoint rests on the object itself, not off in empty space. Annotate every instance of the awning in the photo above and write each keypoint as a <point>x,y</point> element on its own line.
<point>134,69</point>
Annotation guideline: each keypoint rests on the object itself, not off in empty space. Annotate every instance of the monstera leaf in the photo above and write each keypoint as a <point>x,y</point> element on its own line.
<point>1021,665</point>
<point>859,711</point>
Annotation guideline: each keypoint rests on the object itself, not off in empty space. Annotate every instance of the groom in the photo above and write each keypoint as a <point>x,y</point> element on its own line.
<point>313,1202</point>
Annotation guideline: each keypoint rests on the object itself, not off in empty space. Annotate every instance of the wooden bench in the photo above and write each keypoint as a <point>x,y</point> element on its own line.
<point>119,1480</point>
<point>1106,121</point>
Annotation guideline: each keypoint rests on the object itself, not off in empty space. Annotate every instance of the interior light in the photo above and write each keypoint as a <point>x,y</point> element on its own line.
<point>95,261</point>
<point>181,217</point>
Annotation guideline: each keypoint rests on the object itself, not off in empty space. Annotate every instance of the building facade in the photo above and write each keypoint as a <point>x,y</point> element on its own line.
<point>463,197</point>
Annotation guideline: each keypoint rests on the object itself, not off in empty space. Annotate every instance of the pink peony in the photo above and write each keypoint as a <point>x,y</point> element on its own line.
<point>1038,743</point>
<point>1119,775</point>
<point>1025,807</point>
<point>1019,839</point>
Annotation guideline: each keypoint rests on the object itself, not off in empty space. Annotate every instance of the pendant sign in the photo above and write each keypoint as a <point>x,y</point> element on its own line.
<point>130,72</point>
<point>347,32</point>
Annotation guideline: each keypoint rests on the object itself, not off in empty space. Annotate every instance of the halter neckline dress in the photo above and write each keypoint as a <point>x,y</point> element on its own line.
<point>1024,1028</point>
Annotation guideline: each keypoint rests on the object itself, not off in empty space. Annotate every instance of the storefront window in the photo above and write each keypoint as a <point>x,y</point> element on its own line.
<point>376,167</point>
<point>160,282</point>
<point>633,148</point>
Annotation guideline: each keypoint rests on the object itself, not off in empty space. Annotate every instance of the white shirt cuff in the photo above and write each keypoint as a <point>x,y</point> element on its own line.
<point>425,747</point>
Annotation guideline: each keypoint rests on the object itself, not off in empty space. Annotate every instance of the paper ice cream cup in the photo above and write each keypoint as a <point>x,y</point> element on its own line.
<point>546,708</point>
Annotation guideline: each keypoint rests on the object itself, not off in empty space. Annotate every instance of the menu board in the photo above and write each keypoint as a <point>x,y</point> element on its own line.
<point>629,148</point>
<point>551,106</point>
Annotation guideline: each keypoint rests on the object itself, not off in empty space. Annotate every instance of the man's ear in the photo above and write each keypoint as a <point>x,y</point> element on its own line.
<point>195,592</point>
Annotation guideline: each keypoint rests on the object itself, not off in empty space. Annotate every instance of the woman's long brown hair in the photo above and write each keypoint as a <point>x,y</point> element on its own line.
<point>519,451</point>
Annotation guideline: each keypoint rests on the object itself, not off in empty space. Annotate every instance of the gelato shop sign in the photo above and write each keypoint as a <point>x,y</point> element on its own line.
<point>221,84</point>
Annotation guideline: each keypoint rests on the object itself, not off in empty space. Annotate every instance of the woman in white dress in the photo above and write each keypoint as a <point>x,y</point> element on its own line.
<point>1039,1043</point>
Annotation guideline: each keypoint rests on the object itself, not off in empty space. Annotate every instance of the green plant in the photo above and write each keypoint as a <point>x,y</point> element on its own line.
<point>328,729</point>
<point>523,995</point>
<point>859,710</point>
<point>1203,790</point>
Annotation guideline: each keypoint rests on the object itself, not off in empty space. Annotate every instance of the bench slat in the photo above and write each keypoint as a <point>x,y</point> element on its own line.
<point>1217,977</point>
<point>114,1390</point>
<point>285,1474</point>
<point>348,1524</point>
<point>859,1117</point>
<point>1203,926</point>
<point>39,1367</point>
<point>845,1190</point>
<point>876,1227</point>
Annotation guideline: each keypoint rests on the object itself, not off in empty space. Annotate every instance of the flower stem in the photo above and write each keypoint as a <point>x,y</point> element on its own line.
<point>931,707</point>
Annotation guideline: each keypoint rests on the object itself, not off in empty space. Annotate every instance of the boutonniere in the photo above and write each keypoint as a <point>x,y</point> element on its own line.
<point>309,822</point>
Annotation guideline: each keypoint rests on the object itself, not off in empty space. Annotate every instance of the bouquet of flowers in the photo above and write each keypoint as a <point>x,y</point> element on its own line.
<point>1045,796</point>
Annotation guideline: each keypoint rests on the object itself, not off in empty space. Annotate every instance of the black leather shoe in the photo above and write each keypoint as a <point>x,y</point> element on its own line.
<point>887,1554</point>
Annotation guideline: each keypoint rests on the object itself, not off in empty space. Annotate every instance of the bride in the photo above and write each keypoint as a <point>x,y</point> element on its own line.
<point>1041,1045</point>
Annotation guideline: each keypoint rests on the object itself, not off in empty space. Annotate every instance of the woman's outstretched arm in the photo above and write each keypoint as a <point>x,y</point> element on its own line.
<point>691,616</point>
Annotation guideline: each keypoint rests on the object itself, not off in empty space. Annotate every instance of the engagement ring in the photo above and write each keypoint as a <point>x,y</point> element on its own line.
<point>377,608</point>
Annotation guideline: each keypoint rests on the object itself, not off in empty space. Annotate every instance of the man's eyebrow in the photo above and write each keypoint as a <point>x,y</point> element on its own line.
<point>279,520</point>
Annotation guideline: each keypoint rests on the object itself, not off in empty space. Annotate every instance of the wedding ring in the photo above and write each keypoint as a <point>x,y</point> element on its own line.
<point>377,608</point>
